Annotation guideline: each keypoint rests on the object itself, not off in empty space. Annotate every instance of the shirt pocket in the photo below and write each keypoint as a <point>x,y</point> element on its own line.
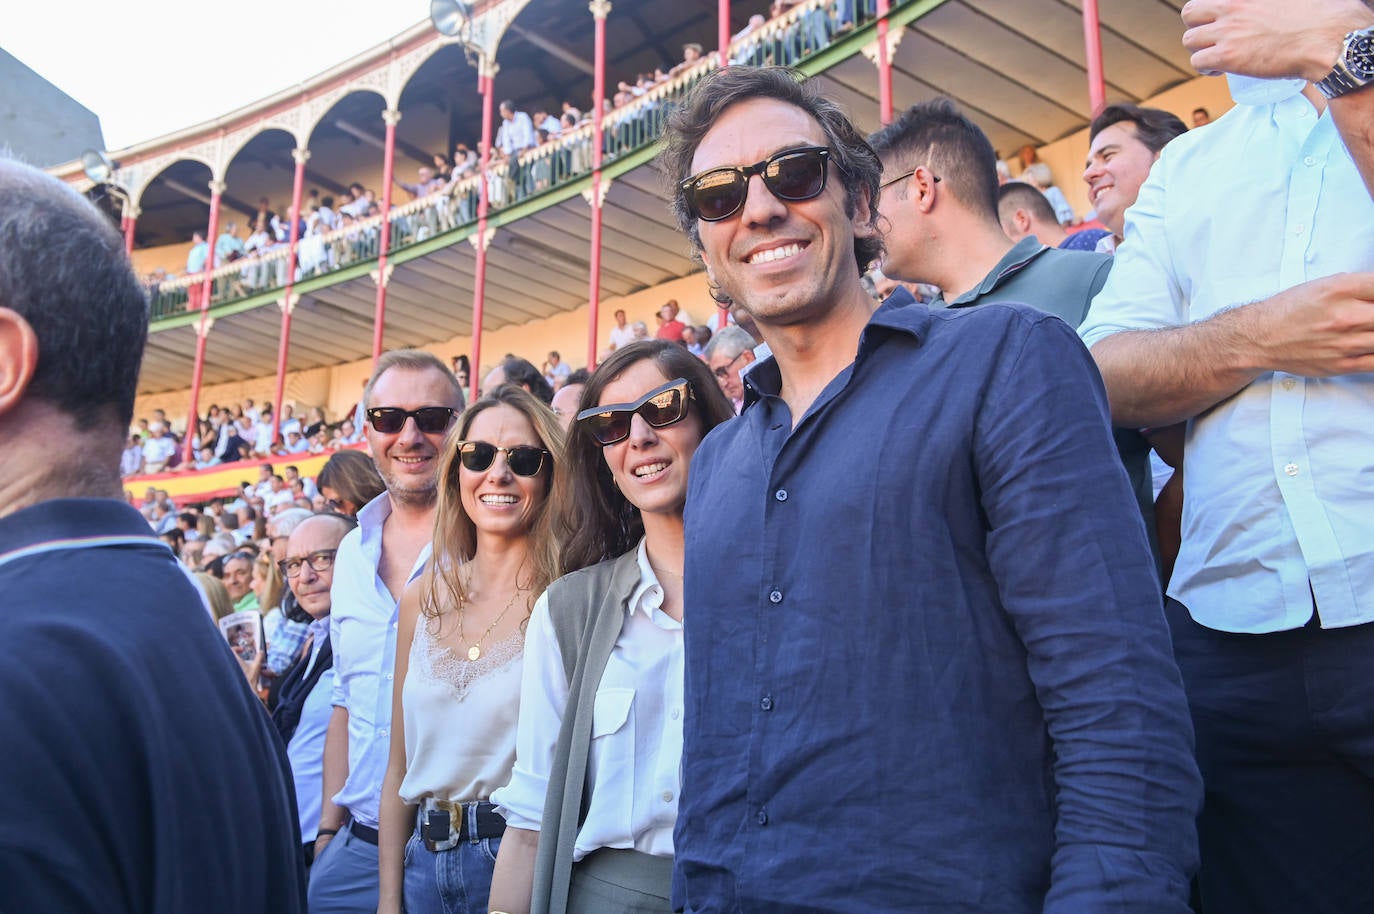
<point>613,756</point>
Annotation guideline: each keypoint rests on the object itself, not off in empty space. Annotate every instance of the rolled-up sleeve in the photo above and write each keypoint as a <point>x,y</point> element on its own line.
<point>1068,552</point>
<point>543,697</point>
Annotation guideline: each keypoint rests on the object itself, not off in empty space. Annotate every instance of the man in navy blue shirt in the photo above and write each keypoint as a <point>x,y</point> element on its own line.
<point>927,668</point>
<point>139,772</point>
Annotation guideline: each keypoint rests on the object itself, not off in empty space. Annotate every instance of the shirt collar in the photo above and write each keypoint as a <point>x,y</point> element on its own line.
<point>898,314</point>
<point>70,518</point>
<point>647,595</point>
<point>1021,253</point>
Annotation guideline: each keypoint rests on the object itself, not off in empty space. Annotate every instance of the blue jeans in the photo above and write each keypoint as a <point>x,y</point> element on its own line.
<point>455,881</point>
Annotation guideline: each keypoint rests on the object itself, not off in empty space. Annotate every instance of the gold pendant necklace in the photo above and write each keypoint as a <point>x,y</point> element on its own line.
<point>475,651</point>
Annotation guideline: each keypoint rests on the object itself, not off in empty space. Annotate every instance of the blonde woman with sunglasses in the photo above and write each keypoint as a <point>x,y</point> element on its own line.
<point>592,802</point>
<point>459,651</point>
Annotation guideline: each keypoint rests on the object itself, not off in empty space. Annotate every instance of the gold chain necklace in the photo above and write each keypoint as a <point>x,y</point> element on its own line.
<point>475,651</point>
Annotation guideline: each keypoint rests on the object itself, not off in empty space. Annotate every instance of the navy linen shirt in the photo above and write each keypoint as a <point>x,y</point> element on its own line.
<point>927,667</point>
<point>140,774</point>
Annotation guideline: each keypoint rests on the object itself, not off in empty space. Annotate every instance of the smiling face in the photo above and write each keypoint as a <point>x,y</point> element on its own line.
<point>650,466</point>
<point>783,262</point>
<point>499,502</point>
<point>1118,163</point>
<point>238,577</point>
<point>408,460</point>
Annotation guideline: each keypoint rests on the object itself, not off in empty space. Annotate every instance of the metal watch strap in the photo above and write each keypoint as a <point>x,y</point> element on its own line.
<point>1341,80</point>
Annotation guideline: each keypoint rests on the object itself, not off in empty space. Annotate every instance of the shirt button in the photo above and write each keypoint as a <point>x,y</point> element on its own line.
<point>676,714</point>
<point>762,817</point>
<point>390,676</point>
<point>667,796</point>
<point>382,732</point>
<point>775,597</point>
<point>1309,161</point>
<point>780,495</point>
<point>1289,383</point>
<point>1299,229</point>
<point>766,702</point>
<point>1291,469</point>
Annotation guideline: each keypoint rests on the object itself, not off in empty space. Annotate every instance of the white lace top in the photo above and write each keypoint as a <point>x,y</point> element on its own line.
<point>460,717</point>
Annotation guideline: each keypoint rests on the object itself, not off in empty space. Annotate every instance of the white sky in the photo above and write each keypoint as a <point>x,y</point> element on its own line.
<point>149,67</point>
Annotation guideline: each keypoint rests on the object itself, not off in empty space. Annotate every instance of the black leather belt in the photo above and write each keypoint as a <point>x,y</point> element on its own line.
<point>363,832</point>
<point>443,824</point>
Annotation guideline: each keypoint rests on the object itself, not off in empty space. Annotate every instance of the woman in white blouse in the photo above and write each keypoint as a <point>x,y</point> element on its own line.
<point>591,805</point>
<point>459,647</point>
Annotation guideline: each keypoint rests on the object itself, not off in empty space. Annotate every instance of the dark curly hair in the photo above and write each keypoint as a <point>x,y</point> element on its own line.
<point>858,165</point>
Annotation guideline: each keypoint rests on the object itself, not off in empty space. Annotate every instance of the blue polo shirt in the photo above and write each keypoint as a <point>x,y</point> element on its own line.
<point>139,773</point>
<point>927,665</point>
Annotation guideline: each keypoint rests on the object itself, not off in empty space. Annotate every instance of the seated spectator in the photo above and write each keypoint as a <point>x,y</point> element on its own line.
<point>192,554</point>
<point>215,593</point>
<point>158,449</point>
<point>520,373</point>
<point>1037,174</point>
<point>347,434</point>
<point>205,459</point>
<point>567,398</point>
<point>349,480</point>
<point>238,580</point>
<point>295,443</point>
<point>1201,117</point>
<point>314,421</point>
<point>279,496</point>
<point>1024,210</point>
<point>669,327</point>
<point>728,354</point>
<point>131,460</point>
<point>556,370</point>
<point>696,339</point>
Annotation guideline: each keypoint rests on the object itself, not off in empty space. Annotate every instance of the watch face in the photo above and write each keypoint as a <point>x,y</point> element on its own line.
<point>1359,56</point>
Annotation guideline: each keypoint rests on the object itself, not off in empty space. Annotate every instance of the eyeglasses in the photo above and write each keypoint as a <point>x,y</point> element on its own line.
<point>523,459</point>
<point>903,177</point>
<point>793,174</point>
<point>723,372</point>
<point>660,407</point>
<point>432,420</point>
<point>319,562</point>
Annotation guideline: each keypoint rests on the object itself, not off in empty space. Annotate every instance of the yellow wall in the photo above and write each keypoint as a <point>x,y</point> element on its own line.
<point>338,389</point>
<point>1066,157</point>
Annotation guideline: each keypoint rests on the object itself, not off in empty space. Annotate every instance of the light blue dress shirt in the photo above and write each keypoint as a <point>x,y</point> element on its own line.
<point>362,629</point>
<point>1279,490</point>
<point>306,749</point>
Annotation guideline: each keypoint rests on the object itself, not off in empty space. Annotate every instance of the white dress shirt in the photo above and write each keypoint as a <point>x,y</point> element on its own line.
<point>362,628</point>
<point>1279,488</point>
<point>306,749</point>
<point>636,729</point>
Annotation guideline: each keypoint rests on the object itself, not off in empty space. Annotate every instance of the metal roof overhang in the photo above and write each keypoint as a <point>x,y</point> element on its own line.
<point>1016,67</point>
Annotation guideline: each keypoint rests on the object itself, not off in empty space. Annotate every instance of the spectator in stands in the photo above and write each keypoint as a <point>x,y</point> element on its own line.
<point>1023,211</point>
<point>279,496</point>
<point>566,398</point>
<point>283,632</point>
<point>691,53</point>
<point>302,705</point>
<point>426,182</point>
<point>411,399</point>
<point>1201,117</point>
<point>198,255</point>
<point>566,803</point>
<point>228,246</point>
<point>1124,141</point>
<point>131,459</point>
<point>669,327</point>
<point>1038,175</point>
<point>1058,640</point>
<point>546,122</point>
<point>216,596</point>
<point>348,480</point>
<point>238,580</point>
<point>516,133</point>
<point>124,717</point>
<point>296,443</point>
<point>358,208</point>
<point>556,370</point>
<point>346,435</point>
<point>292,474</point>
<point>266,583</point>
<point>462,627</point>
<point>621,334</point>
<point>314,421</point>
<point>1241,302</point>
<point>521,373</point>
<point>728,354</point>
<point>158,449</point>
<point>462,369</point>
<point>697,339</point>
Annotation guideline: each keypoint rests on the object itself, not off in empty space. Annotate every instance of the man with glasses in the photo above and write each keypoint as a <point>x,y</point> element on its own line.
<point>410,402</point>
<point>927,668</point>
<point>303,700</point>
<point>728,354</point>
<point>139,772</point>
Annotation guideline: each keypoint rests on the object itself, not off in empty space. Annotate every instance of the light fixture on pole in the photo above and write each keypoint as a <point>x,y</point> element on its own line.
<point>449,17</point>
<point>97,166</point>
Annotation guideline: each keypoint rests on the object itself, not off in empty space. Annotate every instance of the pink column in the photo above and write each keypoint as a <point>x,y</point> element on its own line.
<point>1092,44</point>
<point>600,9</point>
<point>391,116</point>
<point>723,31</point>
<point>203,325</point>
<point>288,302</point>
<point>884,66</point>
<point>485,74</point>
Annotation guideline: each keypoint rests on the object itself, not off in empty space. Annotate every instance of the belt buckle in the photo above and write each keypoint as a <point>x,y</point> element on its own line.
<point>438,821</point>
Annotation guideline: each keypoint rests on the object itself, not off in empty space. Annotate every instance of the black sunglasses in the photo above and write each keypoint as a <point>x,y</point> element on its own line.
<point>429,419</point>
<point>793,174</point>
<point>523,459</point>
<point>660,407</point>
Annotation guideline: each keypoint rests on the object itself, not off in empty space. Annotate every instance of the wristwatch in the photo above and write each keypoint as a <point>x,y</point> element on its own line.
<point>1354,69</point>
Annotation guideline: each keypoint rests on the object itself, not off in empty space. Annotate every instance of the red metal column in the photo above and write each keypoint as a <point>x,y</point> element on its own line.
<point>485,74</point>
<point>600,9</point>
<point>1092,44</point>
<point>288,302</point>
<point>203,326</point>
<point>391,116</point>
<point>723,31</point>
<point>884,66</point>
<point>128,222</point>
